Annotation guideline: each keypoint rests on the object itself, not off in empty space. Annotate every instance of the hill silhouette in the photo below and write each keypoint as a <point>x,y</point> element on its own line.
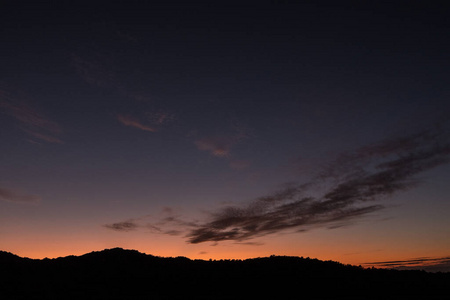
<point>128,274</point>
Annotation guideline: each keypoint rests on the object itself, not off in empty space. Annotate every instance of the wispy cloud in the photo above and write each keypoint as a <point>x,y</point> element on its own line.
<point>98,69</point>
<point>96,62</point>
<point>218,146</point>
<point>43,137</point>
<point>30,119</point>
<point>159,117</point>
<point>97,66</point>
<point>353,184</point>
<point>167,221</point>
<point>221,145</point>
<point>123,226</point>
<point>274,214</point>
<point>430,264</point>
<point>346,189</point>
<point>16,196</point>
<point>128,120</point>
<point>94,70</point>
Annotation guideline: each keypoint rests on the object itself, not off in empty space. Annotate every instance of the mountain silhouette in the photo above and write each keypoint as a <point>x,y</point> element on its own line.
<point>128,274</point>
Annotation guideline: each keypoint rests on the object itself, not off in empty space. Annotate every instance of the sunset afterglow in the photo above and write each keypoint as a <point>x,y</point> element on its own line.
<point>226,131</point>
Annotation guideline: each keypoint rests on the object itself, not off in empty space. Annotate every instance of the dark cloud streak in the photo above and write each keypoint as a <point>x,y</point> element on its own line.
<point>348,188</point>
<point>358,180</point>
<point>123,226</point>
<point>429,264</point>
<point>166,222</point>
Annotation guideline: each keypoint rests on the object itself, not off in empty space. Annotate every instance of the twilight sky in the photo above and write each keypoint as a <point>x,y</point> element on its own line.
<point>219,130</point>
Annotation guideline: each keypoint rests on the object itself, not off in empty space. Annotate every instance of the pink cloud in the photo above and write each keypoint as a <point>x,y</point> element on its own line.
<point>160,117</point>
<point>32,121</point>
<point>17,196</point>
<point>217,146</point>
<point>44,137</point>
<point>221,145</point>
<point>128,120</point>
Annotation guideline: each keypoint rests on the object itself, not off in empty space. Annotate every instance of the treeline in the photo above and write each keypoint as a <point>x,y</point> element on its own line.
<point>128,274</point>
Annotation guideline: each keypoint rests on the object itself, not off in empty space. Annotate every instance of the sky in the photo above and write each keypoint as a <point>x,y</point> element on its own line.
<point>227,130</point>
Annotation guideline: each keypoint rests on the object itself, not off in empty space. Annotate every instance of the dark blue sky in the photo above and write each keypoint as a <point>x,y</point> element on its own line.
<point>126,123</point>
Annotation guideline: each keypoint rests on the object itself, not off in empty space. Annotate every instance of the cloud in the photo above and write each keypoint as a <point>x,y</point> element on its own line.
<point>344,190</point>
<point>128,120</point>
<point>352,185</point>
<point>221,145</point>
<point>10,195</point>
<point>96,63</point>
<point>151,121</point>
<point>261,218</point>
<point>44,137</point>
<point>31,120</point>
<point>95,71</point>
<point>429,264</point>
<point>402,146</point>
<point>167,221</point>
<point>218,146</point>
<point>159,118</point>
<point>98,69</point>
<point>123,226</point>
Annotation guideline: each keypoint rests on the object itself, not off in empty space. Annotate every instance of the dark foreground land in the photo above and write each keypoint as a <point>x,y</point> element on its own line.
<point>128,274</point>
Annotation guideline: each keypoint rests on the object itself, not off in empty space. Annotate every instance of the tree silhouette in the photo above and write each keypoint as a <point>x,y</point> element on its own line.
<point>128,274</point>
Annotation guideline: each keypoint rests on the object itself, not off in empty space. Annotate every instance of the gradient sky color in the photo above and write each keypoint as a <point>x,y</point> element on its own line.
<point>220,130</point>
